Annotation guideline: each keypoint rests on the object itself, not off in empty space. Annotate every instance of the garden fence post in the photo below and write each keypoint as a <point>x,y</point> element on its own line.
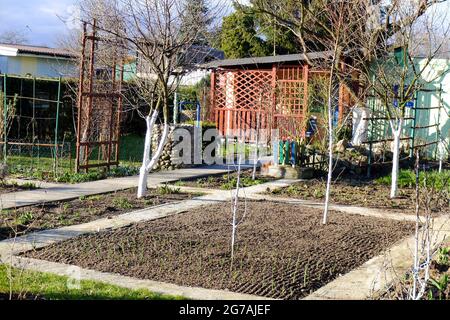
<point>438,124</point>
<point>58,102</point>
<point>5,116</point>
<point>413,127</point>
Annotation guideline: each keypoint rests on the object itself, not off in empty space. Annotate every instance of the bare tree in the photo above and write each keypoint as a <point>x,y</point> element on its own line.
<point>13,37</point>
<point>361,36</point>
<point>160,35</point>
<point>396,76</point>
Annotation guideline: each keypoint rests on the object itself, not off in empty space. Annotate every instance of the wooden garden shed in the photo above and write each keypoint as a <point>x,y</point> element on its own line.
<point>271,91</point>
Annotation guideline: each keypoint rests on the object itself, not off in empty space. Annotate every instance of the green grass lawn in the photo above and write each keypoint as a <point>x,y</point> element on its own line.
<point>407,178</point>
<point>54,287</point>
<point>43,167</point>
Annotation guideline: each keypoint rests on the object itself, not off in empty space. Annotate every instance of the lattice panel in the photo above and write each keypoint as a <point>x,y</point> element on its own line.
<point>239,97</point>
<point>291,98</point>
<point>242,89</point>
<point>291,102</point>
<point>291,73</point>
<point>290,127</point>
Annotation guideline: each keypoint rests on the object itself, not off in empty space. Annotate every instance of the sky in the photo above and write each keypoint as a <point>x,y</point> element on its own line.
<point>37,20</point>
<point>42,21</point>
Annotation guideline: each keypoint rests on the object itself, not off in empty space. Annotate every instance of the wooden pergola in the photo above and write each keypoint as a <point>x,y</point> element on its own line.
<point>271,91</point>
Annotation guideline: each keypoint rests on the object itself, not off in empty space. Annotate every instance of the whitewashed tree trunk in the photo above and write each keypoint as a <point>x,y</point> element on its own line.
<point>330,160</point>
<point>147,163</point>
<point>416,234</point>
<point>396,131</point>
<point>143,173</point>
<point>330,139</point>
<point>441,154</point>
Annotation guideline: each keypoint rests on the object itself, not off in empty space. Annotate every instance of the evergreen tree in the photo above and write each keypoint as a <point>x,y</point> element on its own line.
<point>279,39</point>
<point>239,36</point>
<point>196,13</point>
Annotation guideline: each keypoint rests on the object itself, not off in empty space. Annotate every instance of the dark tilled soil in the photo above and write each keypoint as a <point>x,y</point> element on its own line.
<point>58,214</point>
<point>7,188</point>
<point>283,251</point>
<point>226,181</point>
<point>357,193</point>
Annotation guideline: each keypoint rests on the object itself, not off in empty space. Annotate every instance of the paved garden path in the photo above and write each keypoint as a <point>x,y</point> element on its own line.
<point>53,192</point>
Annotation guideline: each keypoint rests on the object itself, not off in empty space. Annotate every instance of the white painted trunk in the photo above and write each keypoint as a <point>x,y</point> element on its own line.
<point>441,154</point>
<point>395,158</point>
<point>330,151</point>
<point>330,165</point>
<point>160,149</point>
<point>143,173</point>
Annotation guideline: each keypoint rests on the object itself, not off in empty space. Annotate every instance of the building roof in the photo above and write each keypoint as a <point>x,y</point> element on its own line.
<point>198,54</point>
<point>267,60</point>
<point>20,49</point>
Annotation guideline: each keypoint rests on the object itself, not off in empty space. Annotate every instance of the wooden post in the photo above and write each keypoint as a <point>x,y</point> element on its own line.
<point>5,117</point>
<point>305,99</point>
<point>91,87</point>
<point>80,98</point>
<point>274,97</point>
<point>341,103</point>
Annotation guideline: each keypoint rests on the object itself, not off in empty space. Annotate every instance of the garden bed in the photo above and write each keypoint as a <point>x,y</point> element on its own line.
<point>85,209</point>
<point>357,193</point>
<point>7,187</point>
<point>225,181</point>
<point>282,251</point>
<point>438,287</point>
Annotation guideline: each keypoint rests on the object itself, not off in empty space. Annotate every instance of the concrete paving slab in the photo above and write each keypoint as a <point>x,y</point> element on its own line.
<point>72,191</point>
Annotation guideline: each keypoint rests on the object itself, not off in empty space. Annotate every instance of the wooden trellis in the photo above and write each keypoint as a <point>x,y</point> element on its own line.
<point>99,104</point>
<point>238,97</point>
<point>291,100</point>
<point>278,95</point>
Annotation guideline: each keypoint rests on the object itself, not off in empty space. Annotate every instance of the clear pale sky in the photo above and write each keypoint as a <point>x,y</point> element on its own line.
<point>41,21</point>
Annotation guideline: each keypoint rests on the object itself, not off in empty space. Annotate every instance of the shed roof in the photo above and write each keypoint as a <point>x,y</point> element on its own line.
<point>17,49</point>
<point>267,60</point>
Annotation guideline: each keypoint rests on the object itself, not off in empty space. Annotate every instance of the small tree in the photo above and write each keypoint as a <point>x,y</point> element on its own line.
<point>395,76</point>
<point>160,34</point>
